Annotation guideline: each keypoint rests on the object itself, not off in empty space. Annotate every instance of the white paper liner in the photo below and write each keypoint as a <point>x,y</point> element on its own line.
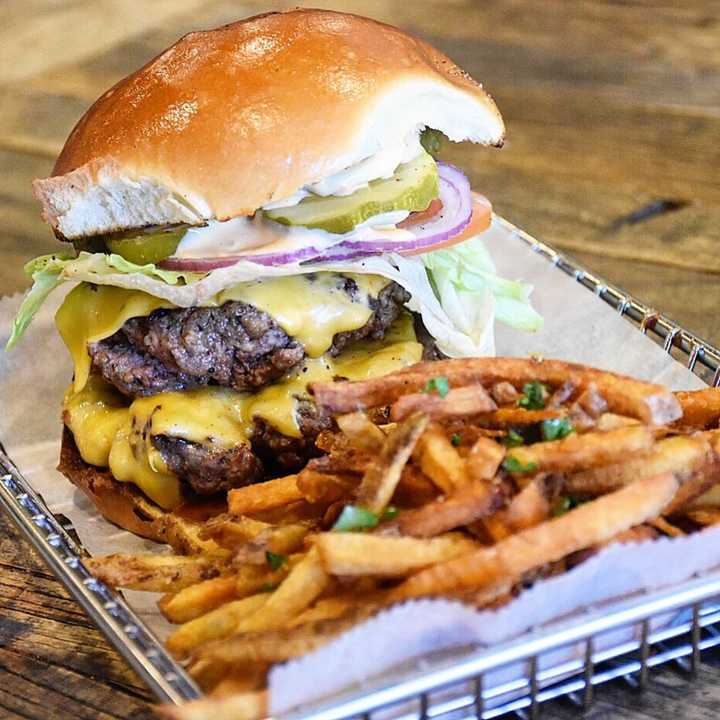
<point>578,327</point>
<point>421,626</point>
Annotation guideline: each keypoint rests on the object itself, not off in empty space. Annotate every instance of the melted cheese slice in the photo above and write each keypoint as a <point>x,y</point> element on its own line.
<point>94,415</point>
<point>112,432</point>
<point>311,308</point>
<point>91,313</point>
<point>132,458</point>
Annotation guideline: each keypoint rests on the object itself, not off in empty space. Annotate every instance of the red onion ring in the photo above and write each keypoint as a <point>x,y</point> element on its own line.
<point>454,217</point>
<point>215,263</point>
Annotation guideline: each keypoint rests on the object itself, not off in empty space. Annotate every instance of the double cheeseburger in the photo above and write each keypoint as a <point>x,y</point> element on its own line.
<point>257,208</point>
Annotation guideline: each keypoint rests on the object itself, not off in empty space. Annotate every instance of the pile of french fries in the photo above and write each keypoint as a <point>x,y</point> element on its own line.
<point>466,479</point>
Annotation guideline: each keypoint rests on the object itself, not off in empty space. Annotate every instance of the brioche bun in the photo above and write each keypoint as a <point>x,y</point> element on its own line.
<point>228,120</point>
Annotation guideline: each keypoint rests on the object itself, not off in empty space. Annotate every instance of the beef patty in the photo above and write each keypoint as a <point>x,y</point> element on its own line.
<point>235,345</point>
<point>208,469</point>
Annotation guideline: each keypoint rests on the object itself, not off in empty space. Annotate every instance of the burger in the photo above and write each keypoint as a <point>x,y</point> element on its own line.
<point>258,207</point>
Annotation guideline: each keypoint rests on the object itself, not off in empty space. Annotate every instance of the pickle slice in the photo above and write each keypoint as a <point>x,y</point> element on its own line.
<point>147,249</point>
<point>413,187</point>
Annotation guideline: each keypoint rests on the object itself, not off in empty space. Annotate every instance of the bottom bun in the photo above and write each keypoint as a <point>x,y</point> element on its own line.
<point>121,503</point>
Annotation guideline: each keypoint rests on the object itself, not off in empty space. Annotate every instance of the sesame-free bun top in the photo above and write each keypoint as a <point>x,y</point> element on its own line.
<point>228,120</point>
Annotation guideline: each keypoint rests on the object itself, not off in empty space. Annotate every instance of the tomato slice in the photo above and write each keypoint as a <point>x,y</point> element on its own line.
<point>480,221</point>
<point>417,218</point>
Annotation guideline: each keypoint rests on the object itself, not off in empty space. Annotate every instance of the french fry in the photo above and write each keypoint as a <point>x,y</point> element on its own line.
<point>242,680</point>
<point>415,488</point>
<point>300,511</point>
<point>484,458</point>
<point>383,475</point>
<point>490,596</point>
<point>229,531</point>
<point>709,499</point>
<point>219,623</point>
<point>361,554</point>
<point>674,454</point>
<point>517,417</point>
<point>274,646</point>
<point>153,573</point>
<point>325,609</point>
<point>263,496</point>
<point>186,536</point>
<point>198,599</point>
<point>440,461</point>
<point>305,582</point>
<point>703,516</point>
<point>653,404</point>
<point>240,706</point>
<point>611,421</point>
<point>251,579</point>
<point>278,539</point>
<point>578,452</point>
<point>639,533</point>
<point>528,508</point>
<point>474,500</point>
<point>665,527</point>
<point>493,528</point>
<point>694,484</point>
<point>208,674</point>
<point>461,402</point>
<point>331,441</point>
<point>361,431</point>
<point>700,408</point>
<point>562,394</point>
<point>318,487</point>
<point>507,561</point>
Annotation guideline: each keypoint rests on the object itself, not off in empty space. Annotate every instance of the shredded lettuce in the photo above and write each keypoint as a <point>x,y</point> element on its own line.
<point>49,271</point>
<point>45,274</point>
<point>101,264</point>
<point>465,280</point>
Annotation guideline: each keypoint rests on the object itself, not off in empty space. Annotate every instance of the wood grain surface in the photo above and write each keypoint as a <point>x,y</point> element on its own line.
<point>613,154</point>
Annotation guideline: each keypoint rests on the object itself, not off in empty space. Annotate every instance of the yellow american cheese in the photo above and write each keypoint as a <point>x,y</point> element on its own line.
<point>93,312</point>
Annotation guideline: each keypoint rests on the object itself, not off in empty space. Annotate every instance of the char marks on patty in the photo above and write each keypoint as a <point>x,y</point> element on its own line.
<point>208,469</point>
<point>235,345</point>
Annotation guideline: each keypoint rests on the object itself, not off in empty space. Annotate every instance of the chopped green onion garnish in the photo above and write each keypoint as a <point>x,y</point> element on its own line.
<point>564,503</point>
<point>268,587</point>
<point>514,466</point>
<point>534,396</point>
<point>556,428</point>
<point>440,385</point>
<point>513,439</point>
<point>274,560</point>
<point>456,439</point>
<point>355,518</point>
<point>391,512</point>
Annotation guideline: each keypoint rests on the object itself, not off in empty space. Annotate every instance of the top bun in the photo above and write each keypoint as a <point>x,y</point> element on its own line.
<point>228,120</point>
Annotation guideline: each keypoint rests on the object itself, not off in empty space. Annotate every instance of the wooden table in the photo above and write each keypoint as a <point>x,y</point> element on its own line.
<point>613,155</point>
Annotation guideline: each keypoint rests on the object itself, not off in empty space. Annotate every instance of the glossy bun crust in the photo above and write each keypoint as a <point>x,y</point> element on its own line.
<point>230,119</point>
